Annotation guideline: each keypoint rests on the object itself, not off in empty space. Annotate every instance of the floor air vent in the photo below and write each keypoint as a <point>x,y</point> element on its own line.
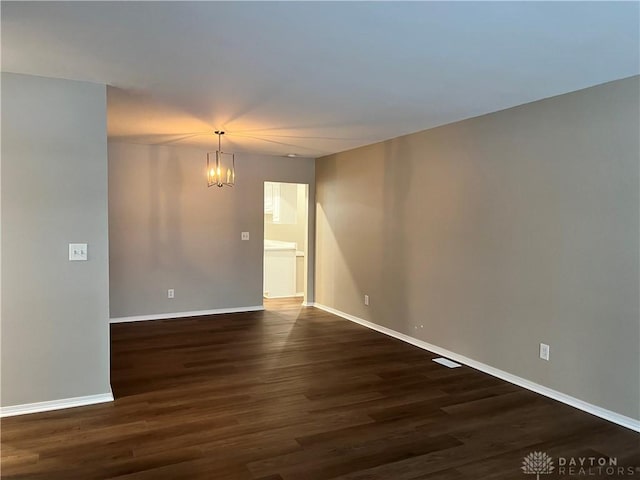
<point>446,362</point>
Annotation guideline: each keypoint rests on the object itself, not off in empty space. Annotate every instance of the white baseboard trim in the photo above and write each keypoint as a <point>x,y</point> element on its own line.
<point>55,404</point>
<point>308,304</point>
<point>603,413</point>
<point>196,313</point>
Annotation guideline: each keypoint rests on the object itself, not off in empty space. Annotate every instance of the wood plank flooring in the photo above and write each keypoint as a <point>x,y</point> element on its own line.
<point>294,393</point>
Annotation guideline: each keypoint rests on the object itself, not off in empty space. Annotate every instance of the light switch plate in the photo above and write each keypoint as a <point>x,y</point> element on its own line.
<point>245,236</point>
<point>77,252</point>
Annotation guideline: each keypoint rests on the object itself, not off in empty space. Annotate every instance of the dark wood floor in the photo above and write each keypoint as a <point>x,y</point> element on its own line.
<point>295,393</point>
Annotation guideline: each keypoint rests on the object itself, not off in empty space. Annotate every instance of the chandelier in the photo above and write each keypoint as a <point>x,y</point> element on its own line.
<point>221,167</point>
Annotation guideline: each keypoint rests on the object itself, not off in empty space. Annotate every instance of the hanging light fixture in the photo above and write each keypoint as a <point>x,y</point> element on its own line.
<point>222,171</point>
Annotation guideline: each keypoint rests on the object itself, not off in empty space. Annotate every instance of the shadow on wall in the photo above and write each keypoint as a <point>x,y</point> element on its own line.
<point>395,227</point>
<point>166,225</point>
<point>165,204</point>
<point>325,218</point>
<point>376,194</point>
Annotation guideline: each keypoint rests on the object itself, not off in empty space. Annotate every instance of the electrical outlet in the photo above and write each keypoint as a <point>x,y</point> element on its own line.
<point>366,300</point>
<point>544,351</point>
<point>244,236</point>
<point>171,293</point>
<point>77,252</point>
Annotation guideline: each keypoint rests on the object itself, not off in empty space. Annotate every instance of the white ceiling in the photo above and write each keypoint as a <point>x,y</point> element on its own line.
<point>313,78</point>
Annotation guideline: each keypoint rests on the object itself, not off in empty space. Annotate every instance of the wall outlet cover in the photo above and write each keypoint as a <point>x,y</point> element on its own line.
<point>544,351</point>
<point>77,252</point>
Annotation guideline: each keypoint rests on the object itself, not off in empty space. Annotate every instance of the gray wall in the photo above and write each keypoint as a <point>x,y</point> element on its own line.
<point>498,233</point>
<point>168,230</point>
<point>55,313</point>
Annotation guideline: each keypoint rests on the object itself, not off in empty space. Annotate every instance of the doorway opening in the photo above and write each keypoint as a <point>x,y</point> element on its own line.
<point>286,252</point>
